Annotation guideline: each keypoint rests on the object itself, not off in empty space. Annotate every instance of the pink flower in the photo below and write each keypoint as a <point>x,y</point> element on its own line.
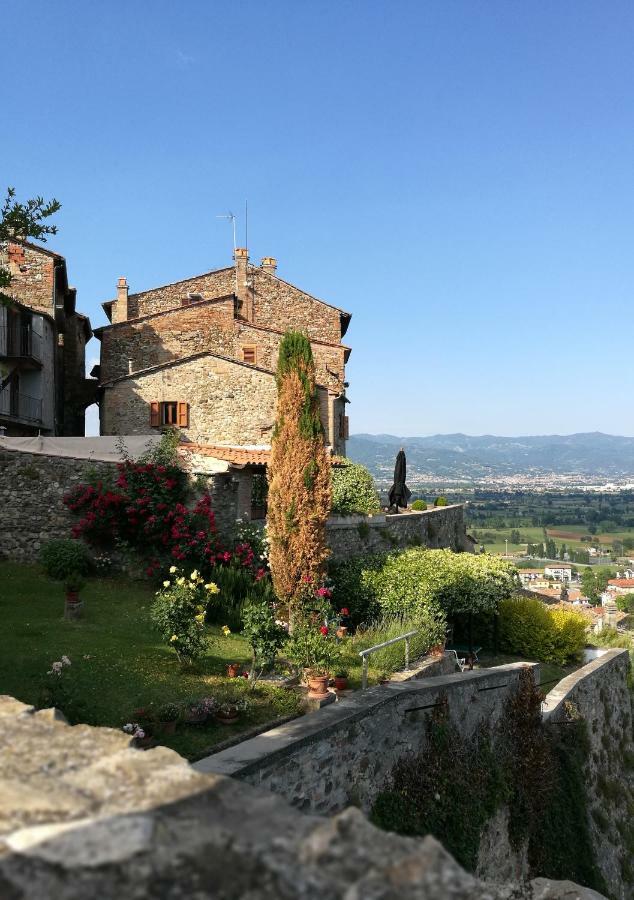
<point>344,611</point>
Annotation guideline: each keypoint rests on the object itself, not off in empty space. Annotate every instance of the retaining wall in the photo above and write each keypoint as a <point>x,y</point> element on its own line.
<point>442,526</point>
<point>344,753</point>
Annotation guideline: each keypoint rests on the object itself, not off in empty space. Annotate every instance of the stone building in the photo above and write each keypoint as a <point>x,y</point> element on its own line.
<point>43,338</point>
<point>201,354</point>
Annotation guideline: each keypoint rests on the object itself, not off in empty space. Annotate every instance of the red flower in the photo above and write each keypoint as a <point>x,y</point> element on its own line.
<point>345,611</point>
<point>324,629</point>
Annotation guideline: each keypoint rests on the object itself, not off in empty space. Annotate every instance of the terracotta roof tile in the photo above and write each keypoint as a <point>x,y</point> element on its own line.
<point>242,456</point>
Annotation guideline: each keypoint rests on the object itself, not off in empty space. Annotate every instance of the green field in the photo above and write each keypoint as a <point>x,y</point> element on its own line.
<point>561,534</point>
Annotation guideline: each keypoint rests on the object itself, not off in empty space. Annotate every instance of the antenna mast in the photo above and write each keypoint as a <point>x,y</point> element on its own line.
<point>230,216</point>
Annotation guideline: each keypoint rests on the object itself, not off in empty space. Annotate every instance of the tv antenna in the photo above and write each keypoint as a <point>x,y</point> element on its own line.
<point>230,217</point>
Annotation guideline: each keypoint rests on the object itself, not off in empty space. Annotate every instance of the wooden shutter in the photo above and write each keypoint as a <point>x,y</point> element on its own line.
<point>155,414</point>
<point>346,428</point>
<point>183,414</point>
<point>249,355</point>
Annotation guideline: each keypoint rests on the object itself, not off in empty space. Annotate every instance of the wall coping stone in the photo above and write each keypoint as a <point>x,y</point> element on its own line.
<point>253,754</point>
<point>552,706</point>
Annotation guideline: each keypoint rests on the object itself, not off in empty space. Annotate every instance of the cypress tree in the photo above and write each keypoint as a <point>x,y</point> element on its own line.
<point>299,477</point>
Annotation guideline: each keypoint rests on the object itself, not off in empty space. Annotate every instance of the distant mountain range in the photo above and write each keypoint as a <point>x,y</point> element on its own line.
<point>463,456</point>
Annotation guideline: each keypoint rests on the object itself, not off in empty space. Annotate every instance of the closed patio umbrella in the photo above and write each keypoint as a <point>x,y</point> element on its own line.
<point>399,492</point>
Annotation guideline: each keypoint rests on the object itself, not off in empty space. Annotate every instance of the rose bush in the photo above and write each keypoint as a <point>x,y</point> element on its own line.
<point>178,612</point>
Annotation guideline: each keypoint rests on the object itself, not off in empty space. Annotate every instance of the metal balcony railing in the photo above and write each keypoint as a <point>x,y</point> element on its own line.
<point>365,653</point>
<point>15,405</point>
<point>20,342</point>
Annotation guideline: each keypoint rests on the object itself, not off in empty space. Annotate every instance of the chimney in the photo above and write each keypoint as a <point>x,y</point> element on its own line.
<point>244,286</point>
<point>120,305</point>
<point>269,264</point>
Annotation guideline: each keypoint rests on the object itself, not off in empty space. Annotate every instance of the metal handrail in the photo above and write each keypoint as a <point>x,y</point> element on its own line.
<point>365,653</point>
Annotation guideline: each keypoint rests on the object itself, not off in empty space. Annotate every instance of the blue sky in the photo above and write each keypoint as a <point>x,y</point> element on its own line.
<point>458,175</point>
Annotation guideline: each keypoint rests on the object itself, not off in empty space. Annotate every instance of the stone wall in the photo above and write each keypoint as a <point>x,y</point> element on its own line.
<point>344,754</point>
<point>211,284</point>
<point>161,337</point>
<point>32,487</point>
<point>31,490</point>
<point>599,693</point>
<point>442,526</point>
<point>86,815</point>
<point>32,275</point>
<point>282,305</point>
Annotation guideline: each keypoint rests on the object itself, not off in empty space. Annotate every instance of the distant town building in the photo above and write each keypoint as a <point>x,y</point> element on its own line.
<point>43,388</point>
<point>558,571</point>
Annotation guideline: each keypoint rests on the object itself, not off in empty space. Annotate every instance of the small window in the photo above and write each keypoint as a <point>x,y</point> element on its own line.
<point>249,355</point>
<point>169,413</point>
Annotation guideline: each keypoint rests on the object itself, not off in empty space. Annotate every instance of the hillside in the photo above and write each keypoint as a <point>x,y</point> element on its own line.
<point>468,457</point>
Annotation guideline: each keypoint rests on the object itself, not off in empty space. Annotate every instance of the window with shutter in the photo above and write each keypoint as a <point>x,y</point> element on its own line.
<point>344,428</point>
<point>183,414</point>
<point>249,355</point>
<point>155,414</point>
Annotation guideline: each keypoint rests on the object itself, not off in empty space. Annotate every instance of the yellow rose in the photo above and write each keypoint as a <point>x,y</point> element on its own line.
<point>173,569</point>
<point>226,630</point>
<point>212,588</point>
<point>180,581</point>
<point>166,584</point>
<point>173,638</point>
<point>194,575</point>
<point>200,617</point>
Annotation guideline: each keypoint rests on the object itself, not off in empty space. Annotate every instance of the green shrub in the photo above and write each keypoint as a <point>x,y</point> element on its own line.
<point>353,489</point>
<point>178,612</point>
<point>314,647</point>
<point>65,560</point>
<point>440,501</point>
<point>264,634</point>
<point>402,584</point>
<point>237,589</point>
<point>419,505</point>
<point>529,628</point>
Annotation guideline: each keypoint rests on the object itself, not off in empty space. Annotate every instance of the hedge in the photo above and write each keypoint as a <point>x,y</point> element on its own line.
<point>353,489</point>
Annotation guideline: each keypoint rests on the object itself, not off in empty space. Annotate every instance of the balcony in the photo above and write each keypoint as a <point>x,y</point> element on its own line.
<point>20,344</point>
<point>21,407</point>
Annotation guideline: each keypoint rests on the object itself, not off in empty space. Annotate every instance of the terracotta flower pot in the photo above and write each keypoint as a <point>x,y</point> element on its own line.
<point>342,631</point>
<point>437,649</point>
<point>341,683</point>
<point>317,686</point>
<point>227,717</point>
<point>233,670</point>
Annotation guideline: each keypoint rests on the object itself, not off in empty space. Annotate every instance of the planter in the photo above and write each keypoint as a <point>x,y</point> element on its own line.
<point>192,718</point>
<point>437,649</point>
<point>233,670</point>
<point>342,631</point>
<point>341,683</point>
<point>317,686</point>
<point>227,717</point>
<point>72,607</point>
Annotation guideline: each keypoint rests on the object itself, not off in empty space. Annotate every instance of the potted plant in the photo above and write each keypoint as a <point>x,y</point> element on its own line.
<point>316,650</point>
<point>69,562</point>
<point>198,711</point>
<point>228,712</point>
<point>341,680</point>
<point>344,619</point>
<point>167,717</point>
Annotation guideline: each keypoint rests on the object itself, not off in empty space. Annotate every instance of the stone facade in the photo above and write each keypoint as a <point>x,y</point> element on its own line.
<point>84,814</point>
<point>42,347</point>
<point>239,313</point>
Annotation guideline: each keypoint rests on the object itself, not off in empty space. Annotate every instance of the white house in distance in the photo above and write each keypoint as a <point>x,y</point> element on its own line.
<point>559,571</point>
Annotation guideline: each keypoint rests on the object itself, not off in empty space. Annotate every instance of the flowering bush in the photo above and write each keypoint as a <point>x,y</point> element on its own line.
<point>145,511</point>
<point>265,635</point>
<point>64,559</point>
<point>314,647</point>
<point>179,613</point>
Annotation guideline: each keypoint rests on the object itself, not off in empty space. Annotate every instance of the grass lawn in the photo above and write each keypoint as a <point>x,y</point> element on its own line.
<point>559,533</point>
<point>118,661</point>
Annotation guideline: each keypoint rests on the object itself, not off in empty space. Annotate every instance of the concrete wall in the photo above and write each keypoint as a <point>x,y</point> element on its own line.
<point>442,526</point>
<point>344,753</point>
